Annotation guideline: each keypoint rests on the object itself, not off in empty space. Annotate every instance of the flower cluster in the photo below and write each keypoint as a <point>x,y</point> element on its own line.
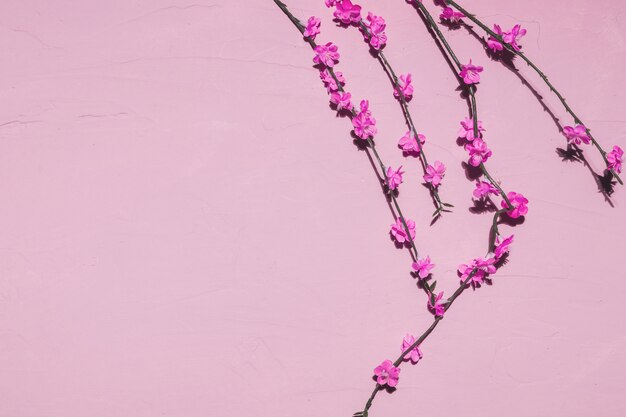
<point>435,173</point>
<point>470,73</point>
<point>476,147</point>
<point>375,34</point>
<point>345,12</point>
<point>404,86</point>
<point>332,83</point>
<point>341,100</point>
<point>435,305</point>
<point>481,268</point>
<point>326,55</point>
<point>483,189</point>
<point>408,143</point>
<point>399,232</point>
<point>467,129</point>
<point>423,267</point>
<point>511,38</point>
<point>312,27</point>
<point>615,158</point>
<point>451,15</point>
<point>394,177</point>
<point>364,124</point>
<point>576,134</point>
<point>415,354</point>
<point>387,374</point>
<point>519,205</point>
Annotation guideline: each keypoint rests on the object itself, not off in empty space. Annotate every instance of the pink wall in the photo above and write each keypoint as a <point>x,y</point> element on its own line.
<point>187,230</point>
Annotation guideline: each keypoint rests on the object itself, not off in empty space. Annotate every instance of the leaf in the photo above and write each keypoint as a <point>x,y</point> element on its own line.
<point>433,285</point>
<point>447,204</point>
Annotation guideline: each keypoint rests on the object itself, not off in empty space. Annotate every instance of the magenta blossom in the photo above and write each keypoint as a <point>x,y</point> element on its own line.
<point>514,36</point>
<point>519,203</point>
<point>394,177</point>
<point>386,373</point>
<point>329,81</point>
<point>415,354</point>
<point>467,129</point>
<point>341,100</point>
<point>346,12</point>
<point>576,134</point>
<point>492,42</point>
<point>435,305</point>
<point>312,27</point>
<point>326,55</point>
<point>364,124</point>
<point>404,86</point>
<point>483,189</point>
<point>375,33</point>
<point>502,247</point>
<point>482,267</point>
<point>399,232</point>
<point>423,267</point>
<point>448,13</point>
<point>435,173</point>
<point>330,3</point>
<point>479,152</point>
<point>470,73</point>
<point>408,143</point>
<point>615,158</point>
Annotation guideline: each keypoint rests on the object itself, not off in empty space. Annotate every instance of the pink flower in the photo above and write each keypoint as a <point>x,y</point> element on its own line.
<point>467,129</point>
<point>493,43</point>
<point>502,247</point>
<point>483,267</point>
<point>423,267</point>
<point>346,12</point>
<point>398,231</point>
<point>435,173</point>
<point>519,203</point>
<point>479,152</point>
<point>615,158</point>
<point>404,86</point>
<point>470,73</point>
<point>408,143</point>
<point>326,55</point>
<point>514,36</point>
<point>415,354</point>
<point>312,27</point>
<point>451,15</point>
<point>394,177</point>
<point>484,188</point>
<point>330,3</point>
<point>341,100</point>
<point>386,373</point>
<point>364,124</point>
<point>435,305</point>
<point>329,81</point>
<point>576,134</point>
<point>375,34</point>
<point>375,24</point>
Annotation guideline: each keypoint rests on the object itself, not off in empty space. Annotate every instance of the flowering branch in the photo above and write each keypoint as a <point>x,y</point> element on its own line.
<point>408,231</point>
<point>476,268</point>
<point>471,91</point>
<point>609,158</point>
<point>373,28</point>
<point>464,285</point>
<point>513,205</point>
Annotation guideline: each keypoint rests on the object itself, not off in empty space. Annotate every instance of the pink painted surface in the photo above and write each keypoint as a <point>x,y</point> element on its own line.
<point>187,230</point>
